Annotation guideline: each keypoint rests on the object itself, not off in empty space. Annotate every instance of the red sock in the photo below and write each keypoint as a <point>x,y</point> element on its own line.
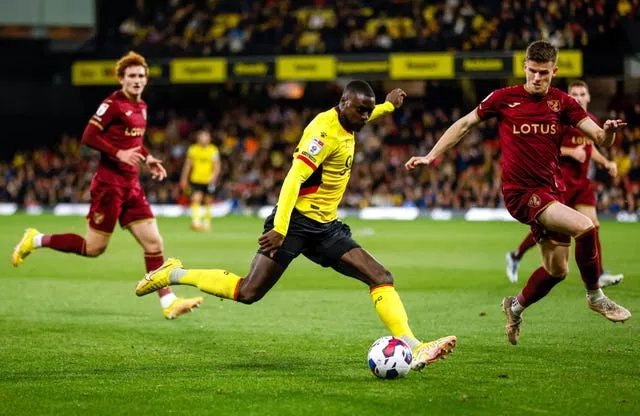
<point>537,287</point>
<point>67,243</point>
<point>587,258</point>
<point>526,244</point>
<point>600,269</point>
<point>152,261</point>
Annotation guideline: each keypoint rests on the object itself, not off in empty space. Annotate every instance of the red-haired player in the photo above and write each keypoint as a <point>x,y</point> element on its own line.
<point>116,130</point>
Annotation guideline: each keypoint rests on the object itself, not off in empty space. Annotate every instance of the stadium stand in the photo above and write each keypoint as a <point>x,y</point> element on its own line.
<point>257,140</point>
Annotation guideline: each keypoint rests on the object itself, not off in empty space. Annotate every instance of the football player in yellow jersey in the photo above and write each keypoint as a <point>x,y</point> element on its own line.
<point>305,222</point>
<point>202,168</point>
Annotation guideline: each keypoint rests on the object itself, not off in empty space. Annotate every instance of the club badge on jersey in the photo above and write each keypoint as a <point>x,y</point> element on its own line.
<point>315,146</point>
<point>554,105</point>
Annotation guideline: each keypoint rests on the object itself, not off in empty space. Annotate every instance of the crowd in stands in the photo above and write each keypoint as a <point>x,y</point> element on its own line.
<point>244,27</point>
<point>256,148</point>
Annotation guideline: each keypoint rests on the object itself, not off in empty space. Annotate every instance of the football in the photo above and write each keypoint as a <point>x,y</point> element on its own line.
<point>389,358</point>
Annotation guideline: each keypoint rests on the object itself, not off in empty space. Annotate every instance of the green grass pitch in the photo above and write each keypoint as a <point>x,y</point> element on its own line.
<point>76,339</point>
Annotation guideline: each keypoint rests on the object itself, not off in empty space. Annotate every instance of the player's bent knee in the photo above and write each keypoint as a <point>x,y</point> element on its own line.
<point>154,245</point>
<point>559,271</point>
<point>94,251</point>
<point>585,223</point>
<point>385,278</point>
<point>247,294</point>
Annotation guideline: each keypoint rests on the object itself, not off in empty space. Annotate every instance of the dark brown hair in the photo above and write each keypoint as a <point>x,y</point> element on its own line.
<point>542,51</point>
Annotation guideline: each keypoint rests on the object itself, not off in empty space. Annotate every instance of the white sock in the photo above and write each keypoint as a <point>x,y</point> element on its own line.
<point>167,300</point>
<point>595,295</point>
<point>37,240</point>
<point>176,274</point>
<point>516,307</point>
<point>411,341</point>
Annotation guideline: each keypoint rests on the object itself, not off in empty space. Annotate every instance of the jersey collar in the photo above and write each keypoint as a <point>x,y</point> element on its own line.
<point>340,121</point>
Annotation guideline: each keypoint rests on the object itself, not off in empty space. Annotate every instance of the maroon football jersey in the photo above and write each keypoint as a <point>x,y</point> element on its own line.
<point>123,123</point>
<point>530,129</point>
<point>574,172</point>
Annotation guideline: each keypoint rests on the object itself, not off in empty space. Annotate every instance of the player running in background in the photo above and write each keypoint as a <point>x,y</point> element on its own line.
<point>305,222</point>
<point>200,171</point>
<point>575,153</point>
<point>116,130</point>
<point>530,123</point>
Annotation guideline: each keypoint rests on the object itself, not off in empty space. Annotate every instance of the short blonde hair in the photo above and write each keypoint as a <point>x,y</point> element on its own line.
<point>131,59</point>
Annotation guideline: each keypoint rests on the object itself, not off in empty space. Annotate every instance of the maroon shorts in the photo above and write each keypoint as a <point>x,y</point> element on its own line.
<point>525,206</point>
<point>111,203</point>
<point>580,194</point>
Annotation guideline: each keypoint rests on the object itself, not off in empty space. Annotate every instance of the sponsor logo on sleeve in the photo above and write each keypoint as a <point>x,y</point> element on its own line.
<point>308,156</point>
<point>315,146</point>
<point>102,109</point>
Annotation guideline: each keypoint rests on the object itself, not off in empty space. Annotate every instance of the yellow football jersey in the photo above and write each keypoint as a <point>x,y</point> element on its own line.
<point>328,149</point>
<point>203,160</point>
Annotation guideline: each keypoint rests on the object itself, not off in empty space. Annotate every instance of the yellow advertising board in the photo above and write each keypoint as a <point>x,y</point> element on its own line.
<point>94,73</point>
<point>198,70</point>
<point>421,65</point>
<point>306,68</point>
<point>569,64</point>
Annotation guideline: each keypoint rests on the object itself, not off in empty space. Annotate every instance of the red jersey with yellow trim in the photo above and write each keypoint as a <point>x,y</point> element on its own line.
<point>123,123</point>
<point>574,172</point>
<point>530,128</point>
<point>328,148</point>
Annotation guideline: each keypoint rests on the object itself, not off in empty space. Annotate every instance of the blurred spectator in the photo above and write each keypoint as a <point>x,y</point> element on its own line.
<point>229,27</point>
<point>256,142</point>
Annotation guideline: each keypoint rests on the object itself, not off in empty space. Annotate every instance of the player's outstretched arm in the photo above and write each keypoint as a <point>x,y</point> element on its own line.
<point>272,239</point>
<point>186,169</point>
<point>450,138</point>
<point>158,172</point>
<point>578,153</point>
<point>604,136</point>
<point>393,101</point>
<point>216,171</point>
<point>91,138</point>
<point>610,166</point>
<point>396,97</point>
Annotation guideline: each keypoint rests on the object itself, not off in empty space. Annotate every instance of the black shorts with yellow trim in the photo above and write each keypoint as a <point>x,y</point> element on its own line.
<point>200,187</point>
<point>322,243</point>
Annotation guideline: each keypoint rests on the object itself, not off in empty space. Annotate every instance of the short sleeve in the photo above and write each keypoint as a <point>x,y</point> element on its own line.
<point>572,112</point>
<point>315,146</point>
<point>215,155</point>
<point>490,106</point>
<point>104,115</point>
<point>191,152</point>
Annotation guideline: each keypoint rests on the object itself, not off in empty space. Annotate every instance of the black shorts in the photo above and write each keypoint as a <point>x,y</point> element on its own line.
<point>200,187</point>
<point>322,243</point>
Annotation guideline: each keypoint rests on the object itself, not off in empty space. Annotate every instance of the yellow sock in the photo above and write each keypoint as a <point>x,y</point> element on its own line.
<point>195,213</point>
<point>220,283</point>
<point>391,310</point>
<point>207,212</point>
